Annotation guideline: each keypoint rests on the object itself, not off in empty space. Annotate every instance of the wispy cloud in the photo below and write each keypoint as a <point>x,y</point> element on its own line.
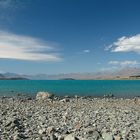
<point>124,63</point>
<point>5,3</point>
<point>112,68</point>
<point>86,51</point>
<point>13,46</point>
<point>126,44</point>
<point>9,9</point>
<point>82,52</point>
<point>118,65</point>
<point>9,4</point>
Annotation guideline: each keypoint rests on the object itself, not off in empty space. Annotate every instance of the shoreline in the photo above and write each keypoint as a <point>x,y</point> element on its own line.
<point>73,96</point>
<point>65,79</point>
<point>76,118</point>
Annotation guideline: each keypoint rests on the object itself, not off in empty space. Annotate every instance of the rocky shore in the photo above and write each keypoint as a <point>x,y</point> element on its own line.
<point>67,118</point>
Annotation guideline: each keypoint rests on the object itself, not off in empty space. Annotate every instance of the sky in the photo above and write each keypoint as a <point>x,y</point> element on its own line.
<point>69,36</point>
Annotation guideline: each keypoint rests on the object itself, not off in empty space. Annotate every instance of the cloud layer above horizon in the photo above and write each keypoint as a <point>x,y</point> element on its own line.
<point>13,46</point>
<point>124,63</point>
<point>126,44</point>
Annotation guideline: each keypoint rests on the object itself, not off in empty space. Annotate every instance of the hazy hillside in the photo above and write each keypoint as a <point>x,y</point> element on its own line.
<point>11,76</point>
<point>120,74</point>
<point>1,76</point>
<point>123,73</point>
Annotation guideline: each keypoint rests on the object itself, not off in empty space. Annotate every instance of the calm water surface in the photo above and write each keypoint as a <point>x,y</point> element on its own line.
<point>120,88</point>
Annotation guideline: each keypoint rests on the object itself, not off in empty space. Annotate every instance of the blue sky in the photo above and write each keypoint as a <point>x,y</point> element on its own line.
<point>69,36</point>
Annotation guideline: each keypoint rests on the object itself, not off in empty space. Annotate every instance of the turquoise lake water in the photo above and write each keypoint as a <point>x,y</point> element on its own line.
<point>97,88</point>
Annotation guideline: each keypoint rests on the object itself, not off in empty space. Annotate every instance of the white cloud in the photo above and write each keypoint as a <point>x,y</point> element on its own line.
<point>126,44</point>
<point>113,62</point>
<point>21,47</point>
<point>86,51</point>
<point>113,68</point>
<point>124,63</point>
<point>82,52</point>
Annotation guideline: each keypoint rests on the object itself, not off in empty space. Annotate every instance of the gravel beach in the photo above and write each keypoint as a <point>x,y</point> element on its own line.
<point>76,118</point>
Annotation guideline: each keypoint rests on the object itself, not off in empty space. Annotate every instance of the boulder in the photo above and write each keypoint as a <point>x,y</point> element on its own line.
<point>43,95</point>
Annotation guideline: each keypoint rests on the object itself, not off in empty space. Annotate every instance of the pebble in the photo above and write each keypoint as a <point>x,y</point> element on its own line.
<point>72,119</point>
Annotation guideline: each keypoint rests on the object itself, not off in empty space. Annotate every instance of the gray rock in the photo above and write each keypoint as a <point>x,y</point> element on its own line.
<point>61,137</point>
<point>65,100</point>
<point>50,129</point>
<point>70,137</point>
<point>96,135</point>
<point>42,131</point>
<point>107,136</point>
<point>84,118</point>
<point>52,137</point>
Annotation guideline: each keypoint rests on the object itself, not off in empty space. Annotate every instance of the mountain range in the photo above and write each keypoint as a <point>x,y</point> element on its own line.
<point>11,76</point>
<point>125,73</point>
